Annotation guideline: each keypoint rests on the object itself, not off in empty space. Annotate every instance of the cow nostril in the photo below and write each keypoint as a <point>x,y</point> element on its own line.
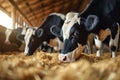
<point>64,58</point>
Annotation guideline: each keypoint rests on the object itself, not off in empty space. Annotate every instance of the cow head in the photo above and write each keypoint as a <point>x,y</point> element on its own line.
<point>75,33</point>
<point>31,40</point>
<point>43,32</point>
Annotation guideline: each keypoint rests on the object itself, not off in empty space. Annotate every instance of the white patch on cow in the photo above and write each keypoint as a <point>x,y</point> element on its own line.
<point>70,15</point>
<point>71,19</point>
<point>45,43</point>
<point>59,14</point>
<point>98,44</point>
<point>98,53</point>
<point>7,34</point>
<point>27,37</point>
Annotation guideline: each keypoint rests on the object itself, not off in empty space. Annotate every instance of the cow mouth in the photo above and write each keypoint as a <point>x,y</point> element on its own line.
<point>26,53</point>
<point>65,57</point>
<point>71,56</point>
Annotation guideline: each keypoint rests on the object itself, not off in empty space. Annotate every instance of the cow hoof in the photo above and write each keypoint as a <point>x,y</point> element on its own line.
<point>113,54</point>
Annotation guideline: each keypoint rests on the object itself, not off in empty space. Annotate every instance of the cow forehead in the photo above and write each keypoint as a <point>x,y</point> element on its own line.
<point>28,34</point>
<point>27,37</point>
<point>68,24</point>
<point>59,14</point>
<point>70,15</point>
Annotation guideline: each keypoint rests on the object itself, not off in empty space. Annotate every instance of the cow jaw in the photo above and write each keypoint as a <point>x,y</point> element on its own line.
<point>71,56</point>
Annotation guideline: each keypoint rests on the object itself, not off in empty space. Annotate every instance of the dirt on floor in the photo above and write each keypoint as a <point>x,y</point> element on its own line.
<point>46,66</point>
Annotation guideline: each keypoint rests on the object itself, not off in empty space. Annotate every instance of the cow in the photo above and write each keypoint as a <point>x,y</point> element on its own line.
<point>43,33</point>
<point>19,32</point>
<point>101,17</point>
<point>19,35</point>
<point>9,42</point>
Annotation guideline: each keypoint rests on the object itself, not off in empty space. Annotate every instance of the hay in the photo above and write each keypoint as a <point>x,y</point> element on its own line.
<point>46,66</point>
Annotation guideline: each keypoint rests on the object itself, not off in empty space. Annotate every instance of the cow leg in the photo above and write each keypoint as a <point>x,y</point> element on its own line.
<point>8,32</point>
<point>114,39</point>
<point>88,48</point>
<point>98,44</point>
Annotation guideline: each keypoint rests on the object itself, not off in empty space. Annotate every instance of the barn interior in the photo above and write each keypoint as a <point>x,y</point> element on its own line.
<point>14,65</point>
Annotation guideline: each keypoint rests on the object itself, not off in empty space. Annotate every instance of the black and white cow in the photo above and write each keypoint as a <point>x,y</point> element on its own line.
<point>19,32</point>
<point>16,32</point>
<point>19,35</point>
<point>101,17</point>
<point>43,33</point>
<point>8,40</point>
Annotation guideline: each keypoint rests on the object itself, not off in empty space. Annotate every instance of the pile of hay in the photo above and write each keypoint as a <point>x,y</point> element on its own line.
<point>46,66</point>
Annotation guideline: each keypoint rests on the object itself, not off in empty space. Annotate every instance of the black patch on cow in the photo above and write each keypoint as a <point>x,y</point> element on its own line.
<point>69,45</point>
<point>114,30</point>
<point>113,48</point>
<point>107,40</point>
<point>55,30</point>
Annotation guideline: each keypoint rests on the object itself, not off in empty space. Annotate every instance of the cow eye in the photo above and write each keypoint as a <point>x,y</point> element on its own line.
<point>32,40</point>
<point>75,34</point>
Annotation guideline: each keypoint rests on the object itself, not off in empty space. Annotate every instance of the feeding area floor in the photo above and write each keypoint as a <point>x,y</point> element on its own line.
<point>46,66</point>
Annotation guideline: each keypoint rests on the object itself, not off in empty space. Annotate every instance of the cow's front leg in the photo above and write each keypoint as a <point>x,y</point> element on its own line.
<point>114,39</point>
<point>88,48</point>
<point>98,44</point>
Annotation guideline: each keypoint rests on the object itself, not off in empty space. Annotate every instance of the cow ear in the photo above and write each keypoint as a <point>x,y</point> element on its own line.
<point>55,30</point>
<point>39,32</point>
<point>91,22</point>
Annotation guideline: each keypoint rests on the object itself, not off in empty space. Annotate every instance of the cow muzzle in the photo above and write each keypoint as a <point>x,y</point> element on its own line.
<point>26,51</point>
<point>65,57</point>
<point>71,56</point>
